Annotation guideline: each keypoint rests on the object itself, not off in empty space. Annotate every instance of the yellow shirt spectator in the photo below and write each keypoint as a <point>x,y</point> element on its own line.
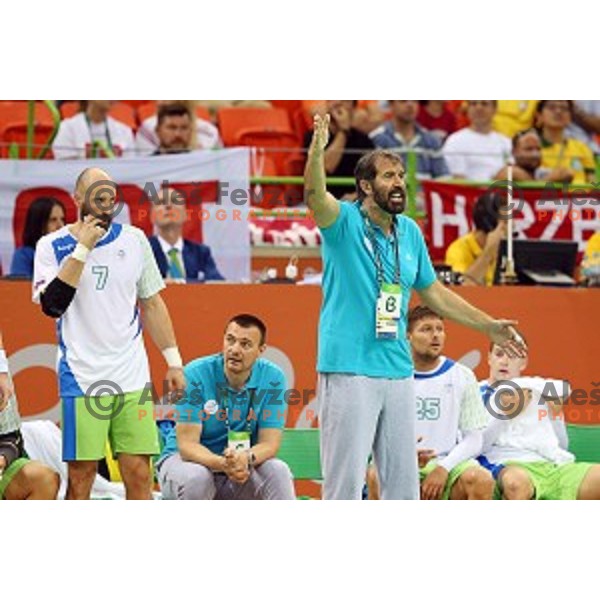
<point>513,116</point>
<point>463,252</point>
<point>591,259</point>
<point>572,154</point>
<point>593,245</point>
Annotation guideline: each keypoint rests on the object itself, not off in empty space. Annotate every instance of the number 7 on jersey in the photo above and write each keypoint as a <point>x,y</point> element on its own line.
<point>101,273</point>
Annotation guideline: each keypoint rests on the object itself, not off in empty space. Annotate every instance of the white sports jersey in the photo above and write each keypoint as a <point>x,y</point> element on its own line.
<point>448,405</point>
<point>99,334</point>
<point>533,435</point>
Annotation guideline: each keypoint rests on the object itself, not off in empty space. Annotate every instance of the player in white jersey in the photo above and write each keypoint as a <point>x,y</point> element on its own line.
<point>450,415</point>
<point>529,453</point>
<point>93,276</point>
<point>20,477</point>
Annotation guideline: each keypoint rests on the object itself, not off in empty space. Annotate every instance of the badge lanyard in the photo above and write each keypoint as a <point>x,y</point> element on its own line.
<point>108,140</point>
<point>389,295</point>
<point>227,422</point>
<point>238,440</point>
<point>377,256</point>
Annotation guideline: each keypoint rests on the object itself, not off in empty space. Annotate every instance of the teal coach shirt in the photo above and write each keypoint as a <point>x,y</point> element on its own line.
<point>347,342</point>
<point>260,404</point>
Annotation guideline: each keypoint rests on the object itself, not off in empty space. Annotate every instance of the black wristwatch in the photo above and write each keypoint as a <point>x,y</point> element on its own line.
<point>251,459</point>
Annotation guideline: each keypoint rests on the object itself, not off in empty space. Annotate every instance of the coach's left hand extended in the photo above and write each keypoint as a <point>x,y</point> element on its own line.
<point>503,333</point>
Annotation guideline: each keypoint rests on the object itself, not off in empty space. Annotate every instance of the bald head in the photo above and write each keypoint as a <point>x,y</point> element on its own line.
<point>88,177</point>
<point>95,194</point>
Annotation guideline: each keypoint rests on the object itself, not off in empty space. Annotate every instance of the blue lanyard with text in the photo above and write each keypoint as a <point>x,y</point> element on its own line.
<point>377,256</point>
<point>225,398</point>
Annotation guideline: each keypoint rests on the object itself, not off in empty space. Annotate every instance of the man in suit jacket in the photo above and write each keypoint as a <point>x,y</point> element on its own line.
<point>179,260</point>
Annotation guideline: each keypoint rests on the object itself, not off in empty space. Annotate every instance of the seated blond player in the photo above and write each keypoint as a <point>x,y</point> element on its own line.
<point>20,478</point>
<point>526,447</point>
<point>451,417</point>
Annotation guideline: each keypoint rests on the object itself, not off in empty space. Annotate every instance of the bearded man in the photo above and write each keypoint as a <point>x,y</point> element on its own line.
<point>373,256</point>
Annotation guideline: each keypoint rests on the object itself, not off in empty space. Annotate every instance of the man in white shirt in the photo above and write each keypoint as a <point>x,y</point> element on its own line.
<point>450,417</point>
<point>93,276</point>
<point>148,137</point>
<point>174,129</point>
<point>526,446</point>
<point>477,152</point>
<point>93,133</point>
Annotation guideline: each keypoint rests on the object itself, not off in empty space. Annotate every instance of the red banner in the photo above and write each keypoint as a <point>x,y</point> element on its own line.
<point>539,214</point>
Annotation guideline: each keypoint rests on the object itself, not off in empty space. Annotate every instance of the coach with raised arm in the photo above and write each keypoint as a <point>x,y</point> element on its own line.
<point>373,257</point>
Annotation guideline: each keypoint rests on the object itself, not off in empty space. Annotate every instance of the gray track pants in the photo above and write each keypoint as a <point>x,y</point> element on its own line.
<point>184,480</point>
<point>363,414</point>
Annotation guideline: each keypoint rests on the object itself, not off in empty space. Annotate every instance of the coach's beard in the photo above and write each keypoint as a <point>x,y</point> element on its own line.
<point>393,203</point>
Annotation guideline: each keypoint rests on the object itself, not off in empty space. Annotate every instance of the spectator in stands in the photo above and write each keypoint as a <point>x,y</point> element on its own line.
<point>229,424</point>
<point>586,123</point>
<point>435,116</point>
<point>593,246</point>
<point>513,116</point>
<point>92,132</point>
<point>199,133</point>
<point>403,134</point>
<point>178,259</point>
<point>527,154</point>
<point>173,129</point>
<point>475,254</point>
<point>44,215</point>
<point>591,261</point>
<point>553,117</point>
<point>477,152</point>
<point>345,145</point>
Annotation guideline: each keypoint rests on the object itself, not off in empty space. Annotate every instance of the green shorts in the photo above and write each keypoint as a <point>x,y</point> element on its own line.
<point>127,422</point>
<point>11,473</point>
<point>453,476</point>
<point>551,481</point>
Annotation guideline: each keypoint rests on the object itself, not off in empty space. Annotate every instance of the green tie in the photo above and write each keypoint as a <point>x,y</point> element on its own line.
<point>175,267</point>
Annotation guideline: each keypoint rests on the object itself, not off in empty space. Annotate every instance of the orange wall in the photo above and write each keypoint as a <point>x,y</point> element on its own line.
<point>562,327</point>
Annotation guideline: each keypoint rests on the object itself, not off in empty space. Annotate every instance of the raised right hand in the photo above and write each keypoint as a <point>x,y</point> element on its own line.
<point>320,132</point>
<point>90,231</point>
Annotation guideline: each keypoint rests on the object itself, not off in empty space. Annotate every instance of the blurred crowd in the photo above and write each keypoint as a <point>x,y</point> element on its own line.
<point>471,140</point>
<point>549,140</point>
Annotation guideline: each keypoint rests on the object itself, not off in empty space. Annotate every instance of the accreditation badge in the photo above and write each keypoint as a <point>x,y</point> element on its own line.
<point>238,440</point>
<point>387,315</point>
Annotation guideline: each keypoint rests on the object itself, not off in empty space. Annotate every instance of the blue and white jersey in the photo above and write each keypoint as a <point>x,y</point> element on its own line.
<point>448,405</point>
<point>99,335</point>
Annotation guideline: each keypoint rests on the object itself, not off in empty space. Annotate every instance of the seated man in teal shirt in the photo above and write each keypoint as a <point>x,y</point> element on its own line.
<point>228,424</point>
